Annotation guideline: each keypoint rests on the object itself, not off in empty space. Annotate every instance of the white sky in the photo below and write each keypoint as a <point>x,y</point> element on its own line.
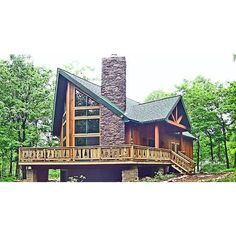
<point>163,41</point>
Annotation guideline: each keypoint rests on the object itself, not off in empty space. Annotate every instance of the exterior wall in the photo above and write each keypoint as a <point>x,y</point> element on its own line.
<point>112,128</point>
<point>141,134</point>
<point>166,138</point>
<point>37,174</point>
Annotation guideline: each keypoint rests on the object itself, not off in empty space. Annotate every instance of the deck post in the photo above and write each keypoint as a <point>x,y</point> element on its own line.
<point>132,152</point>
<point>157,142</point>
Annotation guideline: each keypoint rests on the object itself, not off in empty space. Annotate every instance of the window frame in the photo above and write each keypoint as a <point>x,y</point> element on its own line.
<point>86,117</point>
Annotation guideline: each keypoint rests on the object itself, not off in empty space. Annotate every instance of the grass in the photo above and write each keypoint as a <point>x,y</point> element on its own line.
<point>230,178</point>
<point>8,179</point>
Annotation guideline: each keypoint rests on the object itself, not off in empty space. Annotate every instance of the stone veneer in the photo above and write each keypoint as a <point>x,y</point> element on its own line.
<point>112,127</point>
<point>114,80</point>
<point>130,174</point>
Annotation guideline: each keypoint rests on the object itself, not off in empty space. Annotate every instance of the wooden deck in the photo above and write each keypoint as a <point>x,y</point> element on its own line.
<point>95,155</point>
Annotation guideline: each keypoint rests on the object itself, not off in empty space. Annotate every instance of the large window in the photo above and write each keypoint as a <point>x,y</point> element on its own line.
<point>87,120</point>
<point>86,141</point>
<point>89,112</point>
<point>83,100</point>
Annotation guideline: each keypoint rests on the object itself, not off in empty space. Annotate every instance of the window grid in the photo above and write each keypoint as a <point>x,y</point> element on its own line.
<point>87,113</point>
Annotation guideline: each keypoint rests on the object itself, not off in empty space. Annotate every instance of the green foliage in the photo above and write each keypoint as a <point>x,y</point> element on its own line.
<point>157,94</point>
<point>8,179</point>
<point>26,102</point>
<point>158,177</point>
<point>213,167</point>
<point>54,175</point>
<point>84,72</point>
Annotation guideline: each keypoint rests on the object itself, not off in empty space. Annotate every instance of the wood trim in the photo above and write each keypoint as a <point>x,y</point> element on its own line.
<point>173,117</point>
<point>87,135</point>
<point>61,136</point>
<point>87,108</point>
<point>68,115</point>
<point>179,119</point>
<point>72,101</point>
<point>176,124</point>
<point>87,117</point>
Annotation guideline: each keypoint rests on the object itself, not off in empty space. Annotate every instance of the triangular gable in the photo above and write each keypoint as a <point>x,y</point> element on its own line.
<point>178,116</point>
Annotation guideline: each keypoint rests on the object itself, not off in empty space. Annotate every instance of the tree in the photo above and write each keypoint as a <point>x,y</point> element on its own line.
<point>85,72</point>
<point>157,94</point>
<point>27,102</point>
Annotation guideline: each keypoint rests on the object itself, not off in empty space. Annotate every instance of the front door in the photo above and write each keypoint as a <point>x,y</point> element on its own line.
<point>175,147</point>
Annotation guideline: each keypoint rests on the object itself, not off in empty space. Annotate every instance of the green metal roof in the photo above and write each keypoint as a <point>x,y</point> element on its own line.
<point>155,111</point>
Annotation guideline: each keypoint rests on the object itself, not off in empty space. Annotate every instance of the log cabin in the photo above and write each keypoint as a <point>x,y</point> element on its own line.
<point>105,136</point>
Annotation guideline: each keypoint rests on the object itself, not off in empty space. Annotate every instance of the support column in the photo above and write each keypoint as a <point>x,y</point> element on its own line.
<point>157,139</point>
<point>130,174</point>
<point>180,141</point>
<point>23,170</point>
<point>31,175</point>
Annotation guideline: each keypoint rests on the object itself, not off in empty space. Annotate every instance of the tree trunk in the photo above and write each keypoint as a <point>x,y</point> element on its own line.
<point>235,160</point>
<point>211,148</point>
<point>198,154</point>
<point>225,145</point>
<point>11,160</point>
<point>17,174</point>
<point>219,150</point>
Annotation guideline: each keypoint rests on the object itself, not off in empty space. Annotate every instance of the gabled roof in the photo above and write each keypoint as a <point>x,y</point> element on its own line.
<point>155,111</point>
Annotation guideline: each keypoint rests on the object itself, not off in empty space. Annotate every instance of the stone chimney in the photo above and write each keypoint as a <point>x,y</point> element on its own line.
<point>112,127</point>
<point>114,80</point>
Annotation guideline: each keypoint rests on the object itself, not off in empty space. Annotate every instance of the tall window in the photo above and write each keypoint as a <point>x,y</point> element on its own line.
<point>87,120</point>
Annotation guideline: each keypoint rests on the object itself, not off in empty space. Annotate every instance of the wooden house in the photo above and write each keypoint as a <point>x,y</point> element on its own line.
<point>105,136</point>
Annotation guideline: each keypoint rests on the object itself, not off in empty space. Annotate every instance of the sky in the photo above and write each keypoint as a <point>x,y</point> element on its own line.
<point>164,42</point>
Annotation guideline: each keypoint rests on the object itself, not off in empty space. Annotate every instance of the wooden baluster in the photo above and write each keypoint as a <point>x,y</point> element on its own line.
<point>132,156</point>
<point>148,154</point>
<point>99,153</point>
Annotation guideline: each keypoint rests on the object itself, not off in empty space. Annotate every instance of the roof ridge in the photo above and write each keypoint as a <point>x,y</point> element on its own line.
<point>160,99</point>
<point>78,77</point>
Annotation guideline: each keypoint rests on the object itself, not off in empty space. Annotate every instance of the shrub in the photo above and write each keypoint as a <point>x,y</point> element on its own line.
<point>213,167</point>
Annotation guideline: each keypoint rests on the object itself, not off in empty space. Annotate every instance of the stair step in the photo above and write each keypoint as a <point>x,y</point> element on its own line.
<point>178,169</point>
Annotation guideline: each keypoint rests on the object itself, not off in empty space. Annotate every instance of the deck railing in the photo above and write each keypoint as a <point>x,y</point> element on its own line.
<point>121,153</point>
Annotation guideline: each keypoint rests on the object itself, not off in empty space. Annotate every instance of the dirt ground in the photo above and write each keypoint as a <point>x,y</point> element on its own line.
<point>199,177</point>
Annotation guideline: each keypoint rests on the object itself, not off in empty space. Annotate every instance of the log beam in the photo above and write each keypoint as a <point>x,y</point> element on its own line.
<point>157,137</point>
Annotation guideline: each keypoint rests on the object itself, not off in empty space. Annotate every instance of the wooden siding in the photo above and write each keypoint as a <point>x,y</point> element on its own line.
<point>140,134</point>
